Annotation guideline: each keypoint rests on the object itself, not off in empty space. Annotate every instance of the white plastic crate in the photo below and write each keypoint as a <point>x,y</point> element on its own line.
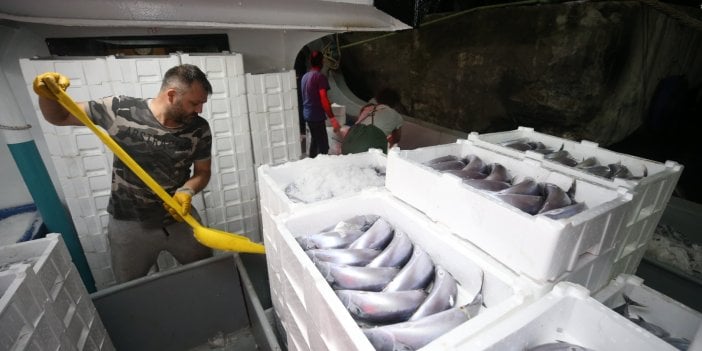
<point>679,320</point>
<point>650,194</point>
<point>22,304</point>
<point>537,246</point>
<point>568,314</point>
<point>311,305</point>
<point>272,181</point>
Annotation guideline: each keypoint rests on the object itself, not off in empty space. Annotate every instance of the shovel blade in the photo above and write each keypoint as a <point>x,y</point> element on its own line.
<point>221,240</point>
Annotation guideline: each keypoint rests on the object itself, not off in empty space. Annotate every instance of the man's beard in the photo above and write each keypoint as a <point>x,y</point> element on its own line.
<point>178,115</point>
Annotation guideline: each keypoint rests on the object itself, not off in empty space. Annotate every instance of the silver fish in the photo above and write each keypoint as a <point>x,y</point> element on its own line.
<point>588,162</point>
<point>474,163</point>
<point>601,171</point>
<point>356,278</point>
<point>463,174</point>
<point>474,306</point>
<point>442,295</point>
<point>329,240</point>
<point>396,254</point>
<point>527,186</point>
<point>381,307</point>
<point>527,203</point>
<point>376,237</point>
<point>565,212</point>
<point>498,172</point>
<point>360,222</point>
<point>416,274</point>
<point>619,171</point>
<point>518,145</point>
<point>447,165</point>
<point>679,343</point>
<point>488,185</point>
<point>555,198</point>
<point>558,346</point>
<point>537,145</point>
<point>352,257</point>
<point>650,327</point>
<point>416,334</point>
<point>441,159</point>
<point>563,157</point>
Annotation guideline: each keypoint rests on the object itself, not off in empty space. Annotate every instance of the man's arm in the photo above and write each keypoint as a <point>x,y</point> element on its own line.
<point>55,114</point>
<point>328,110</point>
<point>201,176</point>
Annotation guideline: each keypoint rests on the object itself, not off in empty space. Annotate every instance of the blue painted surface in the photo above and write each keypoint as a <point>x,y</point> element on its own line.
<point>11,211</point>
<point>49,205</point>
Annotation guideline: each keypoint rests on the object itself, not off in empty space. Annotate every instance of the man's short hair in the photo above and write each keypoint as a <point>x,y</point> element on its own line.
<point>316,59</point>
<point>182,77</point>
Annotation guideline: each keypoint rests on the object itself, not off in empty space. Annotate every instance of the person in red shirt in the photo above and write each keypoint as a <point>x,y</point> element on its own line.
<point>316,106</point>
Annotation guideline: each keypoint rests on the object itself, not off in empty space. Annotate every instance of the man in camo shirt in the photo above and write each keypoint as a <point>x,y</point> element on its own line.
<point>165,136</point>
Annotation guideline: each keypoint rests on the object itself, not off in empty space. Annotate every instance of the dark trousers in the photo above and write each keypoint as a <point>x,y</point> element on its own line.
<point>319,143</point>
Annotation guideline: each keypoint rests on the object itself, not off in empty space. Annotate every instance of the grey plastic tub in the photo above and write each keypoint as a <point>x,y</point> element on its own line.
<point>217,299</point>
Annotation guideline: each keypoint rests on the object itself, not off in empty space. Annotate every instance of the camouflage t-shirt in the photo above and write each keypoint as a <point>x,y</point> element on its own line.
<point>166,154</point>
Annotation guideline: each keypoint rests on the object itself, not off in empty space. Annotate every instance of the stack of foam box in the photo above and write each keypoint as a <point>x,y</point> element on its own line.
<point>313,316</point>
<point>650,194</point>
<point>44,304</point>
<point>567,314</point>
<point>578,249</point>
<point>677,319</point>
<point>272,181</point>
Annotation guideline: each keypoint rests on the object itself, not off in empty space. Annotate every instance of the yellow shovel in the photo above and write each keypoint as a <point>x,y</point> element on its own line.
<point>209,237</point>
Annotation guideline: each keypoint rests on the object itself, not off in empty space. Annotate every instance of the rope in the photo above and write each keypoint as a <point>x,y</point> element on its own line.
<point>4,127</point>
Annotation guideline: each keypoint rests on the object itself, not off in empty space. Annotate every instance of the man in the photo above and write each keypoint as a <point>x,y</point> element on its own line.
<point>165,136</point>
<point>380,112</point>
<point>316,106</point>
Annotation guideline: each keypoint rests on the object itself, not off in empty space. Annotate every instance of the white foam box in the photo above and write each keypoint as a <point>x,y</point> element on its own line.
<point>310,304</point>
<point>679,320</point>
<point>48,256</point>
<point>537,246</point>
<point>650,194</point>
<point>272,181</point>
<point>567,314</point>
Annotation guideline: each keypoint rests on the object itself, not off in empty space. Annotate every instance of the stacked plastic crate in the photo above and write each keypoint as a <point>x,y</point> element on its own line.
<point>650,193</point>
<point>578,249</point>
<point>44,305</point>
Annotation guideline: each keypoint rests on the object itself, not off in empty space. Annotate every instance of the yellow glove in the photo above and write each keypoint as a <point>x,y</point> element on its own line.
<point>184,197</point>
<point>43,90</point>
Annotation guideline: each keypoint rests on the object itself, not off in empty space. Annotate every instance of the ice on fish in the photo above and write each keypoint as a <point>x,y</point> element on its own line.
<point>320,183</point>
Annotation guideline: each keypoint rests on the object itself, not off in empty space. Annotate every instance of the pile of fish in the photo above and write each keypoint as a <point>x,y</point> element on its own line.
<point>390,286</point>
<point>527,195</point>
<point>589,164</point>
<point>558,346</point>
<point>625,310</point>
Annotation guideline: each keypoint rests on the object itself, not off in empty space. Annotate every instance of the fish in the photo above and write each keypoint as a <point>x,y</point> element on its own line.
<point>587,162</point>
<point>413,335</point>
<point>442,295</point>
<point>679,343</point>
<point>347,277</point>
<point>415,274</point>
<point>565,212</point>
<point>530,204</point>
<point>537,145</point>
<point>441,159</point>
<point>381,307</point>
<point>474,306</point>
<point>463,174</point>
<point>487,185</point>
<point>360,222</point>
<point>498,172</point>
<point>518,145</point>
<point>555,198</point>
<point>527,186</point>
<point>558,346</point>
<point>619,171</point>
<point>329,240</point>
<point>376,237</point>
<point>352,257</point>
<point>447,165</point>
<point>624,310</point>
<point>562,156</point>
<point>474,163</point>
<point>602,171</point>
<point>396,254</point>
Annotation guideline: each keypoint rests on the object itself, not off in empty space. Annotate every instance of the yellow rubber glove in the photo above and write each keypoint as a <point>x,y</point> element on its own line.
<point>184,197</point>
<point>42,90</point>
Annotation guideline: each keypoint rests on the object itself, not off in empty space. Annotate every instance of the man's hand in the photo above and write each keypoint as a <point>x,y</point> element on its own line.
<point>183,196</point>
<point>335,124</point>
<point>43,90</point>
